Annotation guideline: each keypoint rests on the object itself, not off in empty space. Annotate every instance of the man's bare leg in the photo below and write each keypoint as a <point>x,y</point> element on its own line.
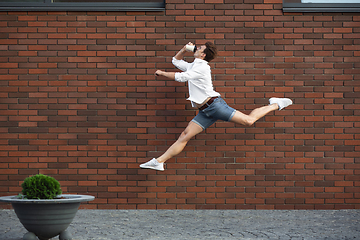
<point>158,164</point>
<point>191,130</point>
<point>256,114</point>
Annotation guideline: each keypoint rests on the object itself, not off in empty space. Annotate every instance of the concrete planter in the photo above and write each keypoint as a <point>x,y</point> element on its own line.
<point>47,218</point>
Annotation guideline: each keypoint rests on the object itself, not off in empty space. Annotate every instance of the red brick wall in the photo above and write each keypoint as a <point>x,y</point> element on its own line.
<point>79,102</point>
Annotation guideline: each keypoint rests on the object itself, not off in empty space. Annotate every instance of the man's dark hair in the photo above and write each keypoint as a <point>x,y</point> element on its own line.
<point>210,51</point>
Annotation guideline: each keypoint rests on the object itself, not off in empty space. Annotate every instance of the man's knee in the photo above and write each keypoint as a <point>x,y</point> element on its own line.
<point>186,135</point>
<point>183,137</point>
<point>249,121</point>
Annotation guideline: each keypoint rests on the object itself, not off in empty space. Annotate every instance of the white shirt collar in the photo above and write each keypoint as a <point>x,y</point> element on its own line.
<point>200,60</point>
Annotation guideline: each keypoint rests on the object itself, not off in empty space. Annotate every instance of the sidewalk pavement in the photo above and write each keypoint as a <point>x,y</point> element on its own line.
<point>201,224</point>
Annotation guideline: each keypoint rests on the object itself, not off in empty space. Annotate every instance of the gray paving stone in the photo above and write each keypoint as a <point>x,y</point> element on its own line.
<point>201,224</point>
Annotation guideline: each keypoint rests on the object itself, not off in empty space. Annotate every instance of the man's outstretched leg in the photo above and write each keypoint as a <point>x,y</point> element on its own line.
<point>256,114</point>
<point>158,164</point>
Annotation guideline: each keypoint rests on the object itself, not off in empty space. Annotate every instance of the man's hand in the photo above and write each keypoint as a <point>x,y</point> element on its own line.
<point>190,44</point>
<point>182,52</point>
<point>158,73</point>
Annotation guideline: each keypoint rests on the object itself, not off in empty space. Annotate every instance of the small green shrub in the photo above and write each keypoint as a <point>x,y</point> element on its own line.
<point>41,187</point>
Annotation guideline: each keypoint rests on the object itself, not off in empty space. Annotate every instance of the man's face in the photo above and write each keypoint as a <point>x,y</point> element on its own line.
<point>200,52</point>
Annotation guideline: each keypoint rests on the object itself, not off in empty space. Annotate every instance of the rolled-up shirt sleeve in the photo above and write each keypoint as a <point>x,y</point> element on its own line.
<point>180,64</point>
<point>186,76</point>
<point>178,77</point>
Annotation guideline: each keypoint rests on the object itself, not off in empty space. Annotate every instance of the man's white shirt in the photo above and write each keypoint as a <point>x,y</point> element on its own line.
<point>198,76</point>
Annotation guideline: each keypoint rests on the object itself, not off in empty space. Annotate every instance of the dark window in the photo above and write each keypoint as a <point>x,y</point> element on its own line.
<point>82,5</point>
<point>321,5</point>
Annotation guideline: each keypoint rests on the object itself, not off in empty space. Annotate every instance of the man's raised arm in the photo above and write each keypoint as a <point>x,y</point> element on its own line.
<point>178,56</point>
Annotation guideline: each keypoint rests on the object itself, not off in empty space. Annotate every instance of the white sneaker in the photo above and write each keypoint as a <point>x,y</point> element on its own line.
<point>153,164</point>
<point>282,102</point>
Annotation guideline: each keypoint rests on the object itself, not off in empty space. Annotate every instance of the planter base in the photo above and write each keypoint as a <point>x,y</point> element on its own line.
<point>30,236</point>
<point>64,235</point>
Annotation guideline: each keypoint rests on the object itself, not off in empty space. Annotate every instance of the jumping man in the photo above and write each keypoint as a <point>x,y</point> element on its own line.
<point>209,102</point>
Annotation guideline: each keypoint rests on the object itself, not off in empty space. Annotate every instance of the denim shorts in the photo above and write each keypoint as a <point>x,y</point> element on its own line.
<point>217,110</point>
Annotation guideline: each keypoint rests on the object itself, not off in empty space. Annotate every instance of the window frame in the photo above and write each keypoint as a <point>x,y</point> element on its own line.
<point>48,5</point>
<point>320,7</point>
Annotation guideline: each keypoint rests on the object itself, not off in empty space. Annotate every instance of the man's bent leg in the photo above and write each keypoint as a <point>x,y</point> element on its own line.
<point>255,115</point>
<point>190,131</point>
